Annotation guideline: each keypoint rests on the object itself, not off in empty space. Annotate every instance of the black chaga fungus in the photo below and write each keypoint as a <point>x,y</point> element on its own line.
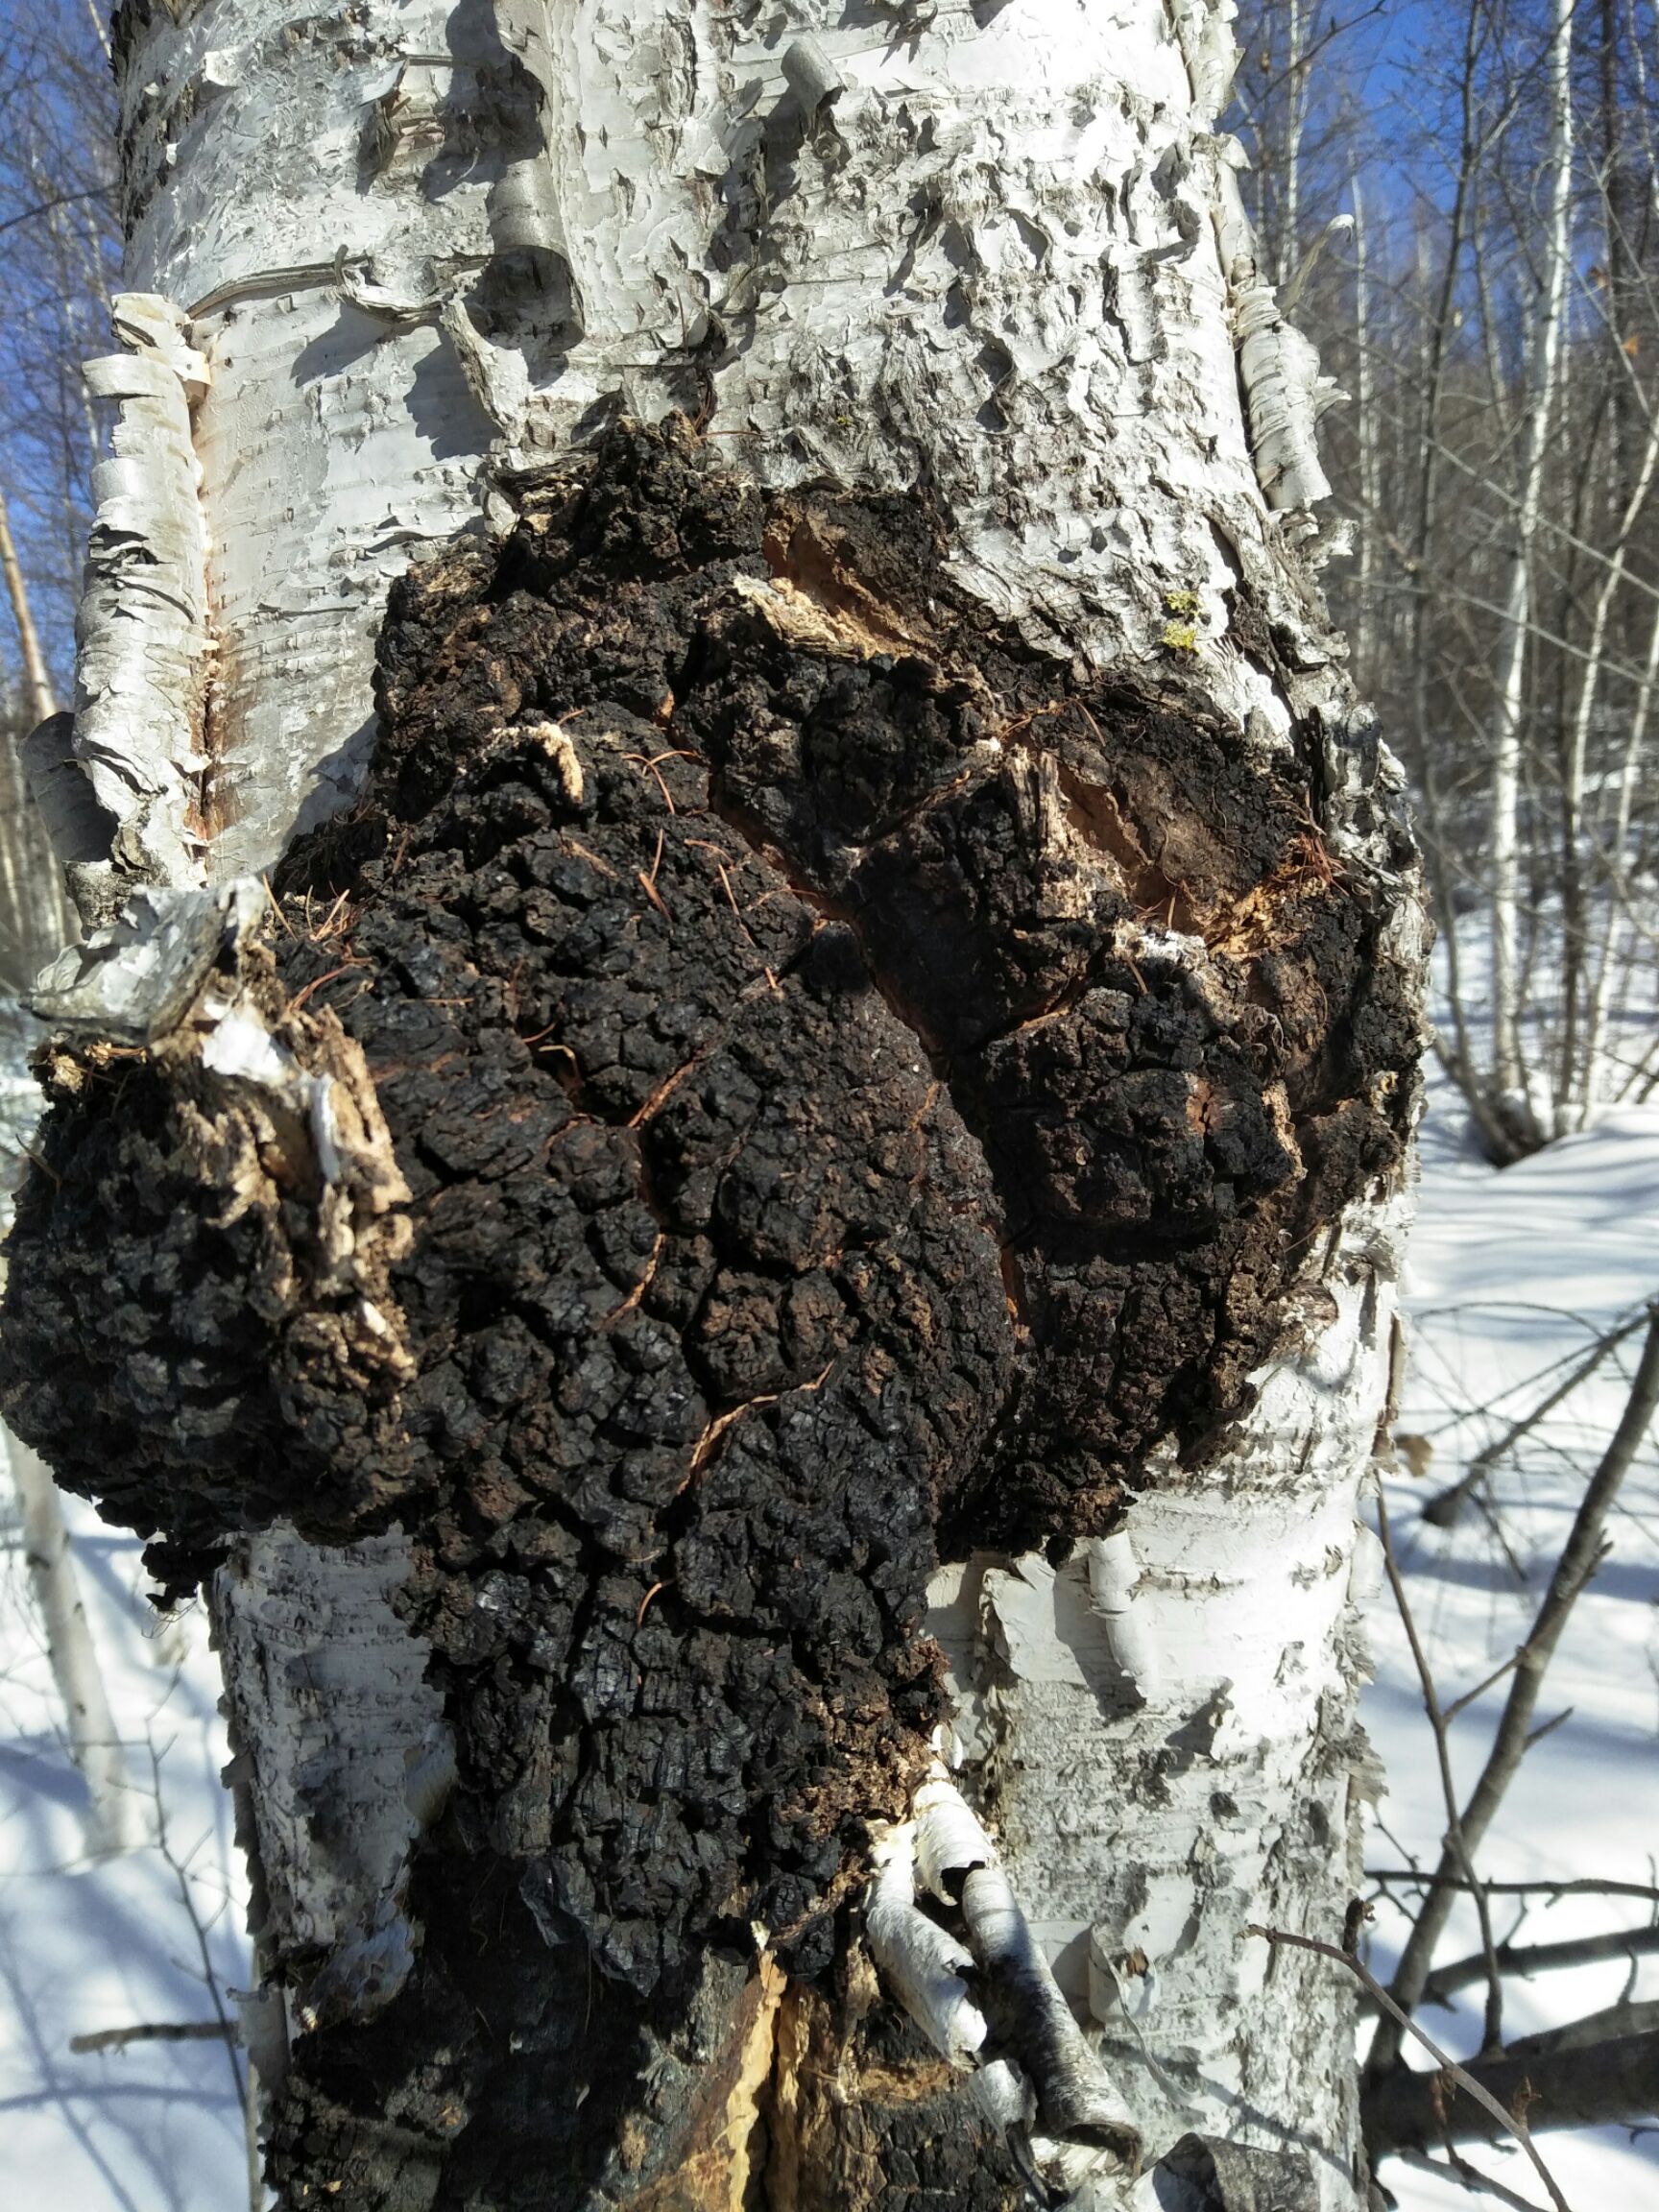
<point>859,1085</point>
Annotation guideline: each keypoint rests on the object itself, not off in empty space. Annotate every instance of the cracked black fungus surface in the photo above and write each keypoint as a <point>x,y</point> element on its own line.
<point>816,1170</point>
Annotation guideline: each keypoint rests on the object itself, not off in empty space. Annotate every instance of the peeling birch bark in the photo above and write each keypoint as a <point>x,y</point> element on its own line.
<point>1035,2077</point>
<point>142,641</point>
<point>1081,2125</point>
<point>875,973</point>
<point>925,1964</point>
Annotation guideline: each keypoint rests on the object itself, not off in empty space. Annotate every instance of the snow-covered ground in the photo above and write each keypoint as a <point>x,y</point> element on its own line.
<point>1511,1277</point>
<point>156,2127</point>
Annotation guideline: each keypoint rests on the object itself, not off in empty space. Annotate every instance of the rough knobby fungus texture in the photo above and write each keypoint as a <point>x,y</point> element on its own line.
<point>858,1084</point>
<point>226,1228</point>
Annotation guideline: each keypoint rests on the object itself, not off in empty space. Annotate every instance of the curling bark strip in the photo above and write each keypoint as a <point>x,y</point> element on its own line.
<point>143,645</point>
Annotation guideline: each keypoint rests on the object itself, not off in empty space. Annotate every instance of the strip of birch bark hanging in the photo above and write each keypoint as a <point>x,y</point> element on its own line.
<point>1025,2019</point>
<point>142,629</point>
<point>924,1965</point>
<point>1284,390</point>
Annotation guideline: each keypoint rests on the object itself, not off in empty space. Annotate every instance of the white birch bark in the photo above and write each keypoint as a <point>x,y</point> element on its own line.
<point>1548,327</point>
<point>34,910</point>
<point>1013,262</point>
<point>1365,434</point>
<point>1045,180</point>
<point>34,916</point>
<point>1288,155</point>
<point>1228,1668</point>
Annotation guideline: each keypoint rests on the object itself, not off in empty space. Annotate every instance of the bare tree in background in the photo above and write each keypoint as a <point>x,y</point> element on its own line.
<point>1441,320</point>
<point>60,246</point>
<point>1499,457</point>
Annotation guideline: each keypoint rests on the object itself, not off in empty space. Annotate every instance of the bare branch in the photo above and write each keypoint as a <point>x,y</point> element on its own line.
<point>47,205</point>
<point>179,1869</point>
<point>1579,1559</point>
<point>1585,1886</point>
<point>1577,2086</point>
<point>1612,2024</point>
<point>1467,2176</point>
<point>1522,1960</point>
<point>1473,1696</point>
<point>1443,1510</point>
<point>1508,2121</point>
<point>154,2032</point>
<point>1457,1841</point>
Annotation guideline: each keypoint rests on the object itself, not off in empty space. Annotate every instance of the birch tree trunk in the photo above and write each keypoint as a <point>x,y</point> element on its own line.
<point>33,920</point>
<point>37,681</point>
<point>1514,1102</point>
<point>114,1819</point>
<point>769,1262</point>
<point>1579,1080</point>
<point>1366,438</point>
